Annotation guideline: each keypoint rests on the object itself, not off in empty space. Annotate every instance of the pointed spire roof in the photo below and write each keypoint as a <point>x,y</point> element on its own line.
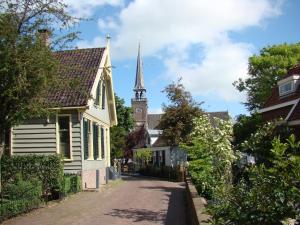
<point>139,78</point>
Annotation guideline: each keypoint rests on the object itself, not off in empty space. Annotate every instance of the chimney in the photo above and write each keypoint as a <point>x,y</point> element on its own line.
<point>44,34</point>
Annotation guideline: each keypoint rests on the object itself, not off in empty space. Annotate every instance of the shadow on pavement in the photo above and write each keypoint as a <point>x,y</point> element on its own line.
<point>139,215</point>
<point>176,207</point>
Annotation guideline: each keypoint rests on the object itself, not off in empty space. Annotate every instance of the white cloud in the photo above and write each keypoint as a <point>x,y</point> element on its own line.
<point>95,43</point>
<point>179,23</point>
<point>223,63</point>
<point>85,8</point>
<point>171,28</point>
<point>107,24</point>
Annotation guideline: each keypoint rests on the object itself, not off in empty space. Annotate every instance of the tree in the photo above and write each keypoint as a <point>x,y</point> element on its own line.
<point>265,70</point>
<point>28,68</point>
<point>245,126</point>
<point>177,121</point>
<point>119,133</point>
<point>260,142</point>
<point>135,139</point>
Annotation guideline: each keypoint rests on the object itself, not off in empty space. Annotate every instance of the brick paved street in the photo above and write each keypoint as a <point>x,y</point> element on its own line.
<point>135,201</point>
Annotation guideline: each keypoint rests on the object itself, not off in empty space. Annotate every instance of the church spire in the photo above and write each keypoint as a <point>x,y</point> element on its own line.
<point>139,87</point>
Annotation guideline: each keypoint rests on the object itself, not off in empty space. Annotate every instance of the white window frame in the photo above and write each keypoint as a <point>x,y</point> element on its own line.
<point>58,135</point>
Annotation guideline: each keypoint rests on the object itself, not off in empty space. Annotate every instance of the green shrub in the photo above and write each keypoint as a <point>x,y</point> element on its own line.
<point>72,184</point>
<point>20,196</point>
<point>165,172</point>
<point>271,195</point>
<point>47,169</point>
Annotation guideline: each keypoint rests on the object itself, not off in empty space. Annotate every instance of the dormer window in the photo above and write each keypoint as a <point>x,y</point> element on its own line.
<point>288,85</point>
<point>286,88</point>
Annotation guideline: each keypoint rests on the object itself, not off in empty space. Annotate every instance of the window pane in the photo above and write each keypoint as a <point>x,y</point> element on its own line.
<point>85,138</point>
<point>102,143</point>
<point>286,88</point>
<point>95,141</point>
<point>103,96</point>
<point>63,122</point>
<point>64,136</point>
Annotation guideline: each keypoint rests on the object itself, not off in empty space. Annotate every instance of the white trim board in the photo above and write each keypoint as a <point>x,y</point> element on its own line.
<point>278,106</point>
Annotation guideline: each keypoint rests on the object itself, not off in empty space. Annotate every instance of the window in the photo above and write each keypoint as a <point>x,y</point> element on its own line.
<point>86,138</point>
<point>98,94</point>
<point>102,143</point>
<point>64,136</point>
<point>139,110</point>
<point>157,158</point>
<point>286,88</point>
<point>163,152</point>
<point>103,95</point>
<point>95,141</point>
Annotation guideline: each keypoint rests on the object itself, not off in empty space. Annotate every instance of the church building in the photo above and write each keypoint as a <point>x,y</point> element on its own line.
<point>162,154</point>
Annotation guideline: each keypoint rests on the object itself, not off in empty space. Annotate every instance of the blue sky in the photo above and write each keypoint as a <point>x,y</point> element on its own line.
<point>206,42</point>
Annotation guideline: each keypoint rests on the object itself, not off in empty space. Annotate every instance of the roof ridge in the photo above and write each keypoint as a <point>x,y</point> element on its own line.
<point>78,49</point>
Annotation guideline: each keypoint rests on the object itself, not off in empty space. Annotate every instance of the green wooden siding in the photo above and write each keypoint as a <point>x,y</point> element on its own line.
<point>38,136</point>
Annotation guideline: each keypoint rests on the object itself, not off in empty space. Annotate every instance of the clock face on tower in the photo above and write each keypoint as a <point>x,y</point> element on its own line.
<point>138,110</point>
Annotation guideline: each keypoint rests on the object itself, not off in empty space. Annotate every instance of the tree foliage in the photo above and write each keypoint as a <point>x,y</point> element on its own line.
<point>177,121</point>
<point>135,139</point>
<point>119,133</point>
<point>260,142</point>
<point>245,126</point>
<point>143,156</point>
<point>265,70</point>
<point>27,66</point>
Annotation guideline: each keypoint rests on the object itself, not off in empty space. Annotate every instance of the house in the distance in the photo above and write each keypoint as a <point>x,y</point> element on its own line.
<point>79,129</point>
<point>284,101</point>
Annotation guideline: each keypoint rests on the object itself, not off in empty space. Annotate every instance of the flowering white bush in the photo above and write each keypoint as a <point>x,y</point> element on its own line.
<point>211,154</point>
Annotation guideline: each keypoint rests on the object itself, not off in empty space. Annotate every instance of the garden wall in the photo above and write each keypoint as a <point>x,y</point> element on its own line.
<point>195,205</point>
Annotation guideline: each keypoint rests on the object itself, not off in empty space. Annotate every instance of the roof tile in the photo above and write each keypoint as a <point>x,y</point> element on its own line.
<point>80,65</point>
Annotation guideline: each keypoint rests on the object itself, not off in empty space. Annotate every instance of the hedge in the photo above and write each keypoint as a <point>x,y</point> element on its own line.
<point>165,172</point>
<point>47,169</point>
<point>20,196</point>
<point>72,184</point>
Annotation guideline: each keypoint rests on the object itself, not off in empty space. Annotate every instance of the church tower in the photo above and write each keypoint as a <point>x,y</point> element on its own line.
<point>139,101</point>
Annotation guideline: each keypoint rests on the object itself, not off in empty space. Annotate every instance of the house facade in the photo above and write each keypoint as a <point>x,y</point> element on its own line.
<point>284,101</point>
<point>78,127</point>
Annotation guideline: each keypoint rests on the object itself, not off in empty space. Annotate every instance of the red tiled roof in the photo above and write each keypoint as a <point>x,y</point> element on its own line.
<point>80,65</point>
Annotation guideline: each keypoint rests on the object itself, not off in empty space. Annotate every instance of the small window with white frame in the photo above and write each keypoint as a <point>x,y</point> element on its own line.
<point>286,88</point>
<point>65,138</point>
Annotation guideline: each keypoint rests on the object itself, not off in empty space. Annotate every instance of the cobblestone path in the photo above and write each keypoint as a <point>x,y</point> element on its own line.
<point>136,201</point>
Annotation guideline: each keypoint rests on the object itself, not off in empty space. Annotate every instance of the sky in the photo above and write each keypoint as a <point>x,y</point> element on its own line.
<point>207,43</point>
